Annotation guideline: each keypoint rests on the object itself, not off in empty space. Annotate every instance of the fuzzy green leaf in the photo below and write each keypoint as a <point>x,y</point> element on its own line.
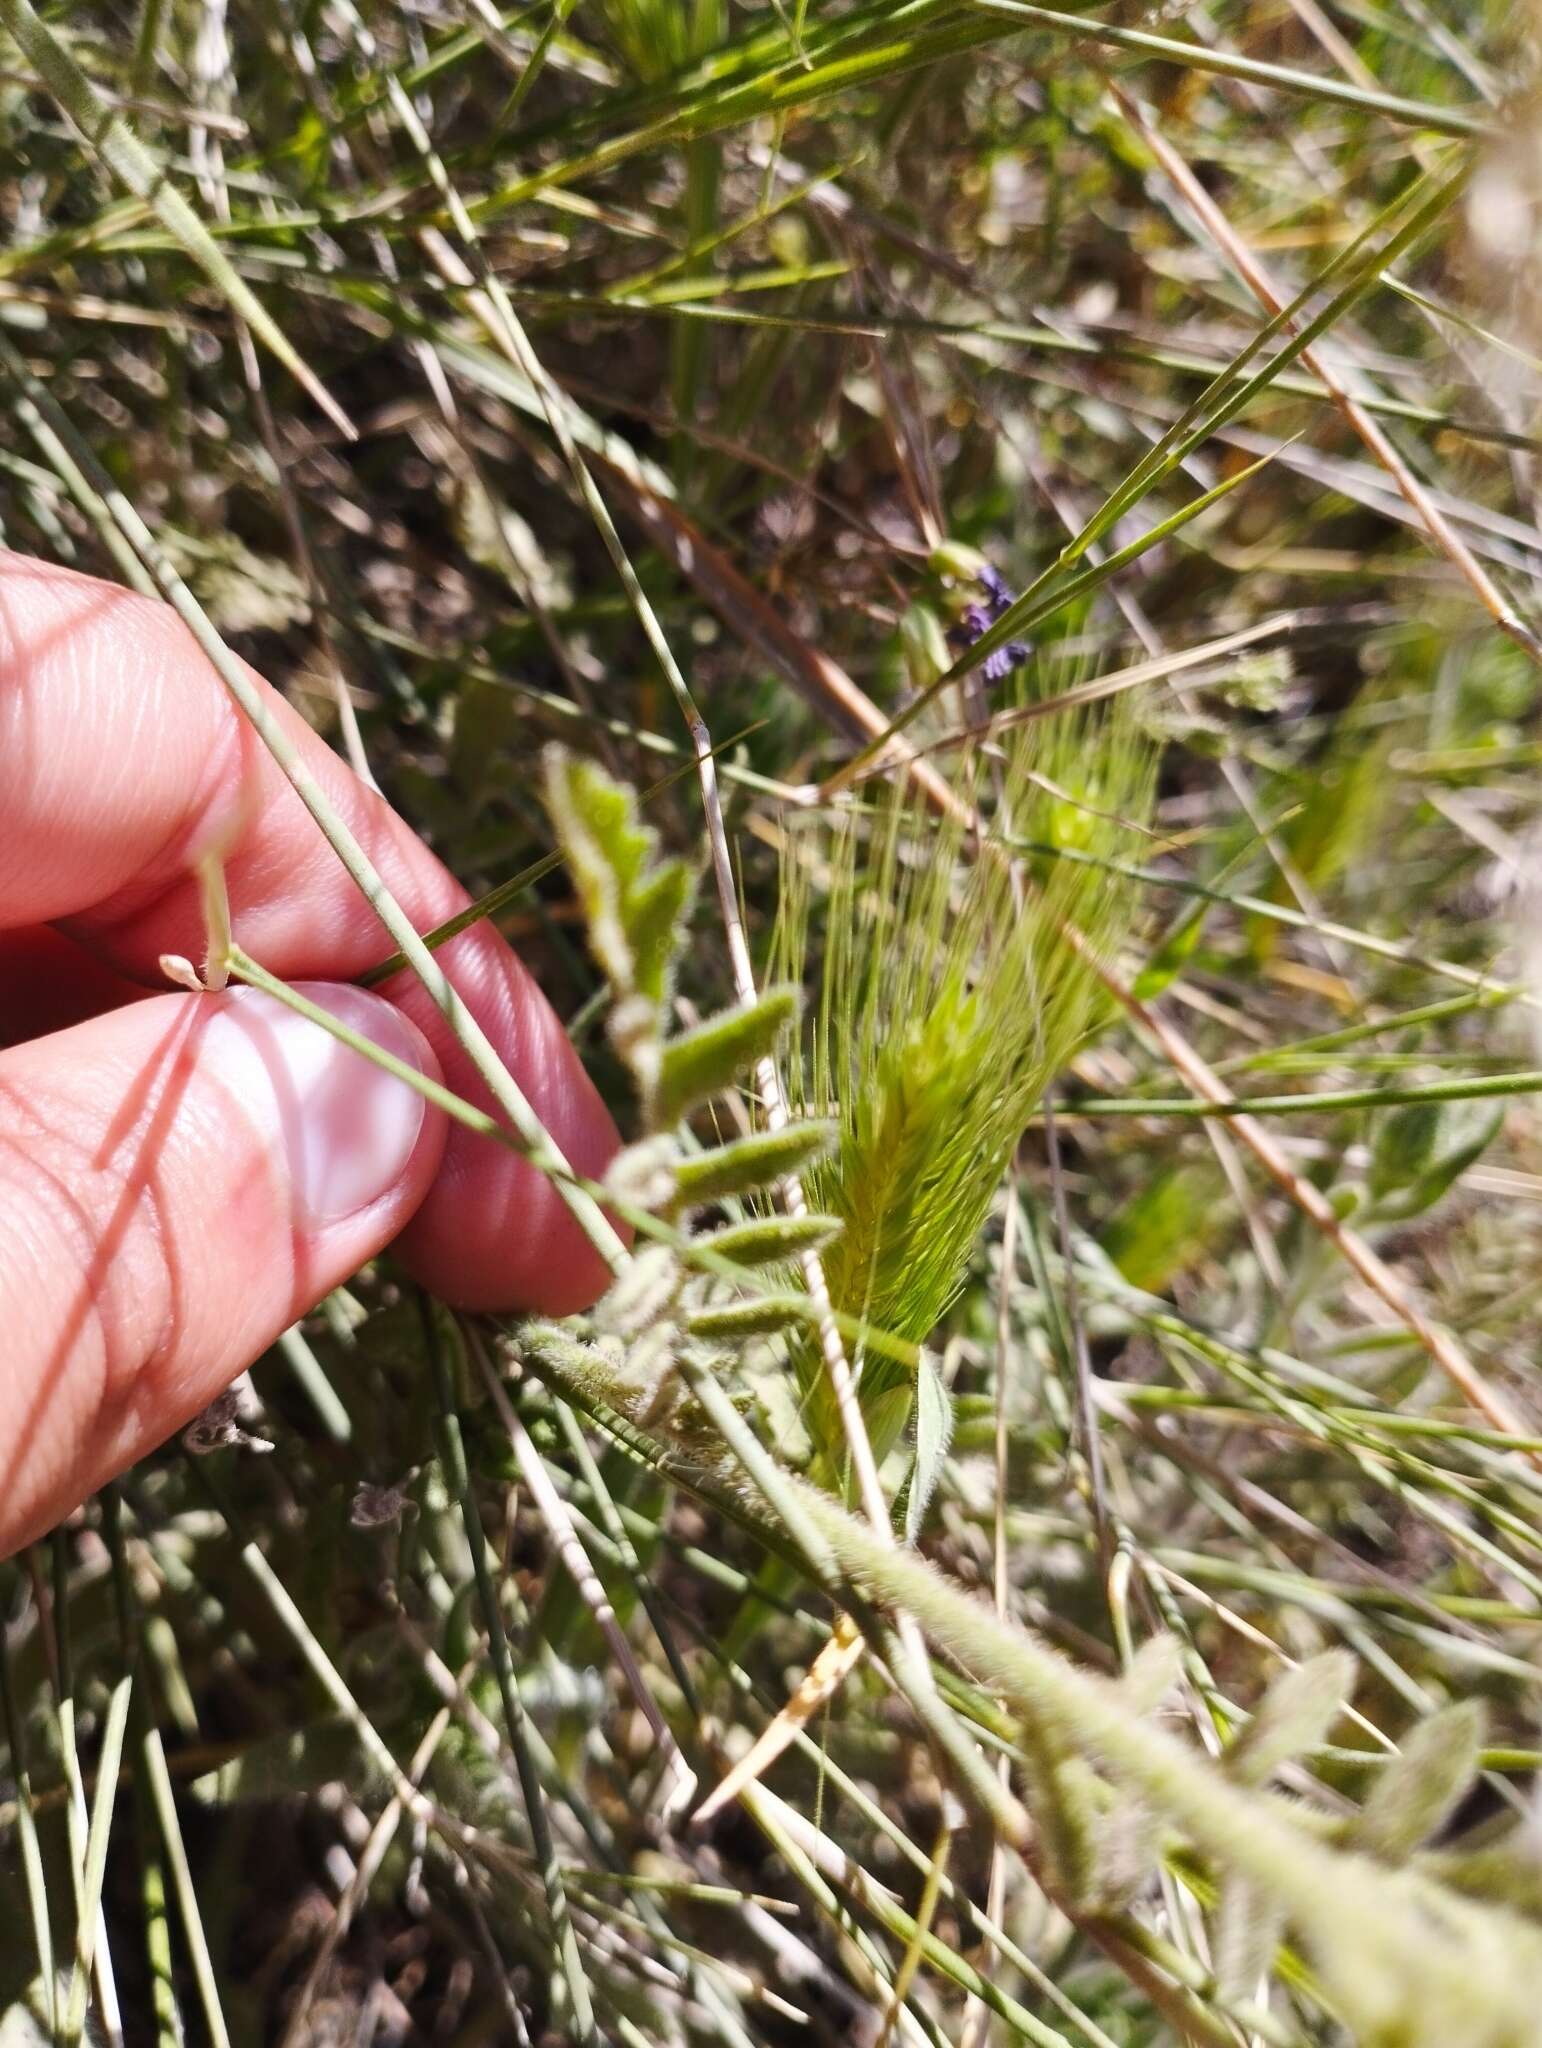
<point>632,907</point>
<point>1151,1674</point>
<point>768,1239</point>
<point>1128,1848</point>
<point>644,1173</point>
<point>1248,1928</point>
<point>703,1062</point>
<point>1294,1715</point>
<point>750,1164</point>
<point>642,1297</point>
<point>654,912</point>
<point>762,1317</point>
<point>1070,1805</point>
<point>1419,1789</point>
<point>1504,1873</point>
<point>591,817</point>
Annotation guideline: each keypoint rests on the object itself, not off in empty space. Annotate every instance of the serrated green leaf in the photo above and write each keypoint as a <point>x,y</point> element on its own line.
<point>1293,1716</point>
<point>762,1317</point>
<point>934,1433</point>
<point>1418,1790</point>
<point>769,1239</point>
<point>703,1062</point>
<point>653,911</point>
<point>752,1163</point>
<point>634,906</point>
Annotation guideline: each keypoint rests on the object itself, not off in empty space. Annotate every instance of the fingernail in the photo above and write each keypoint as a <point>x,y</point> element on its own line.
<point>342,1128</point>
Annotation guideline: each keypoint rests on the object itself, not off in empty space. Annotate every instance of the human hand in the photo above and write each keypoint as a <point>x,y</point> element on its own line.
<point>182,1175</point>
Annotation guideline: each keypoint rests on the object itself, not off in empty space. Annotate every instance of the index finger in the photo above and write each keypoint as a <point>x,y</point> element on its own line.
<point>122,760</point>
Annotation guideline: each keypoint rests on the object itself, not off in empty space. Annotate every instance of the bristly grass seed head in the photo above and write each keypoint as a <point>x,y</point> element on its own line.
<point>949,1000</point>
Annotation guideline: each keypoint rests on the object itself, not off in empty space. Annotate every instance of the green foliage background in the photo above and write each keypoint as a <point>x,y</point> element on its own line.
<point>661,379</point>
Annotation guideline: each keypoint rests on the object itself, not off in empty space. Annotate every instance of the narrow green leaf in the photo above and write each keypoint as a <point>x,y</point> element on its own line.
<point>90,1901</point>
<point>1405,1139</point>
<point>1173,953</point>
<point>1461,1135</point>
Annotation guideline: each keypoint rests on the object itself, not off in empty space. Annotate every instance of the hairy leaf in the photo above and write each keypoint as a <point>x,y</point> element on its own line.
<point>1294,1715</point>
<point>703,1062</point>
<point>768,1239</point>
<point>1247,1933</point>
<point>633,904</point>
<point>760,1317</point>
<point>1415,1793</point>
<point>750,1164</point>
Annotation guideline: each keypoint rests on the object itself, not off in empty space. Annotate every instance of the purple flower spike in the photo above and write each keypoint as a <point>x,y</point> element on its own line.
<point>994,584</point>
<point>977,618</point>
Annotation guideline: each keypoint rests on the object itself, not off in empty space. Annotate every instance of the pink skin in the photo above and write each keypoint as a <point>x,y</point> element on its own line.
<point>167,1209</point>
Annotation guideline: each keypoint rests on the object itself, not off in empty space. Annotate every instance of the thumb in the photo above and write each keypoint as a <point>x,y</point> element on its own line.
<point>178,1181</point>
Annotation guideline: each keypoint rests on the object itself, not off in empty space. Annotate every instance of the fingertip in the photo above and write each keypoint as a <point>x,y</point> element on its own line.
<point>181,1179</point>
<point>494,1232</point>
<point>359,1143</point>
